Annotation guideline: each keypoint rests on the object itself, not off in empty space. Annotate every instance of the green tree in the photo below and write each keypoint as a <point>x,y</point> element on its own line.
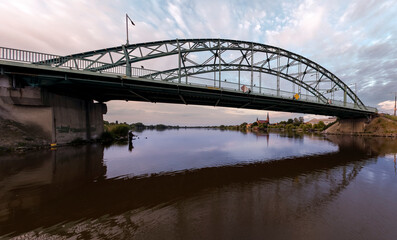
<point>161,127</point>
<point>289,126</point>
<point>138,125</point>
<point>319,126</point>
<point>296,122</point>
<point>120,130</point>
<point>301,120</point>
<point>243,126</point>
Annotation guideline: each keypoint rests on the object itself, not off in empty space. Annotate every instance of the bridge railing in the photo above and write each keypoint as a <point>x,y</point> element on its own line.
<point>10,54</point>
<point>17,55</point>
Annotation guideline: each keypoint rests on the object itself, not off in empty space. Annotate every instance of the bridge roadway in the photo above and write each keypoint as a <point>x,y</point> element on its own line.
<point>103,87</point>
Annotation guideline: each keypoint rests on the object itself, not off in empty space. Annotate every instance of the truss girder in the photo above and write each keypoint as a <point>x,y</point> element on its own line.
<point>172,74</point>
<point>95,61</point>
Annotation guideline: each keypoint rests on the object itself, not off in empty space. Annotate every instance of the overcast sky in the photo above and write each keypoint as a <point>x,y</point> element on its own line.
<point>356,40</point>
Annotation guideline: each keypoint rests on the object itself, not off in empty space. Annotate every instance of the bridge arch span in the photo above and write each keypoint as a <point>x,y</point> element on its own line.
<point>220,56</point>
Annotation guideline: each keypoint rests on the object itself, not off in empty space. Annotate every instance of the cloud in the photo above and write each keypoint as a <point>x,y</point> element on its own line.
<point>386,106</point>
<point>59,27</point>
<point>175,12</point>
<point>305,23</point>
<point>354,39</point>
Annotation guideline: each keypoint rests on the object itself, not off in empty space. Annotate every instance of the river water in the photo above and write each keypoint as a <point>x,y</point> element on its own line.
<point>204,184</point>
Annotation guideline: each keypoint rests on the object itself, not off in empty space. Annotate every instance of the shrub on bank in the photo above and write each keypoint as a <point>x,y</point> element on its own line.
<point>114,131</point>
<point>107,137</point>
<point>119,130</point>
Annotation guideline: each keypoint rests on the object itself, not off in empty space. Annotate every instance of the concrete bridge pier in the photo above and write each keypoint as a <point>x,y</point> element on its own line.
<point>349,126</point>
<point>57,118</point>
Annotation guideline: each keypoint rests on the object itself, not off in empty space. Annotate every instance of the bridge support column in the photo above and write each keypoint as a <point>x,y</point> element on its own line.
<point>57,118</point>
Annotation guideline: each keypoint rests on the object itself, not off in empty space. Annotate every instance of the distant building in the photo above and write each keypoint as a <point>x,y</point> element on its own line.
<point>267,121</point>
<point>326,121</point>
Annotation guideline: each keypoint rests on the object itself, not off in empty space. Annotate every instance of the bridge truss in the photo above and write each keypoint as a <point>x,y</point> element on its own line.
<point>218,64</point>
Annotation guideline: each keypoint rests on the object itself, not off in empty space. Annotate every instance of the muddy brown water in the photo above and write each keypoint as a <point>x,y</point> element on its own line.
<point>204,184</point>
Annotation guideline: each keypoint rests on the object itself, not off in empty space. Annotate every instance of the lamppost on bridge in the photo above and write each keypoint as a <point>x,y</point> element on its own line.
<point>395,101</point>
<point>127,63</point>
<point>126,24</point>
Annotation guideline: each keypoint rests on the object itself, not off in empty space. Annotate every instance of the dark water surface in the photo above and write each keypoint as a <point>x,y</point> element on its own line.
<point>204,184</point>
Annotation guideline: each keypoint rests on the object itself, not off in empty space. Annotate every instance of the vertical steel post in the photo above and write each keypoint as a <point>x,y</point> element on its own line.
<point>260,81</point>
<point>252,67</point>
<point>355,93</point>
<point>278,72</point>
<point>186,76</point>
<point>239,78</point>
<point>179,61</point>
<point>219,59</point>
<point>344,96</point>
<point>299,75</point>
<point>293,87</point>
<point>126,26</point>
<point>214,77</point>
<point>127,62</point>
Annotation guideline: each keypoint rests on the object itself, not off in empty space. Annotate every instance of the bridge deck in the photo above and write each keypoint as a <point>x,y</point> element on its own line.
<point>104,87</point>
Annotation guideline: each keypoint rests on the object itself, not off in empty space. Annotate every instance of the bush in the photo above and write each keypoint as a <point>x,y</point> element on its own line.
<point>319,126</point>
<point>289,126</point>
<point>107,137</point>
<point>161,127</point>
<point>119,130</point>
<point>243,126</point>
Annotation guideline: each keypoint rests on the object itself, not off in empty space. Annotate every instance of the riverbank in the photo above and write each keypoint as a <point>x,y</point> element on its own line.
<point>16,136</point>
<point>381,126</point>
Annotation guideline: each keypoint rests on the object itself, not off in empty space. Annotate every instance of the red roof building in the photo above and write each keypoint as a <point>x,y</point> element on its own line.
<point>267,121</point>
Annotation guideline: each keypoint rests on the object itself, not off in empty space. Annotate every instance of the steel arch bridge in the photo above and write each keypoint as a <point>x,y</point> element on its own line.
<point>199,71</point>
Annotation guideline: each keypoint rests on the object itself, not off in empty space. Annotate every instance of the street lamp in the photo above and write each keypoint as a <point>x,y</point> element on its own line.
<point>126,24</point>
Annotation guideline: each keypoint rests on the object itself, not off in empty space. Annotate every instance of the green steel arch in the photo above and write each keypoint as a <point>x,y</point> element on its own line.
<point>283,64</point>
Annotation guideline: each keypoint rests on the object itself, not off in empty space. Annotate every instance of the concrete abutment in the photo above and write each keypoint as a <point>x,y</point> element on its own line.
<point>348,126</point>
<point>57,118</point>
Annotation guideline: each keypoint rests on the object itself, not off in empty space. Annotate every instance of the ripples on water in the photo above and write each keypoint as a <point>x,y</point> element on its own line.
<point>204,184</point>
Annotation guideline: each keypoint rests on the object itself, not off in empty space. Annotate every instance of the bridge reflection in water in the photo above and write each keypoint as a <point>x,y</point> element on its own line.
<point>65,193</point>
